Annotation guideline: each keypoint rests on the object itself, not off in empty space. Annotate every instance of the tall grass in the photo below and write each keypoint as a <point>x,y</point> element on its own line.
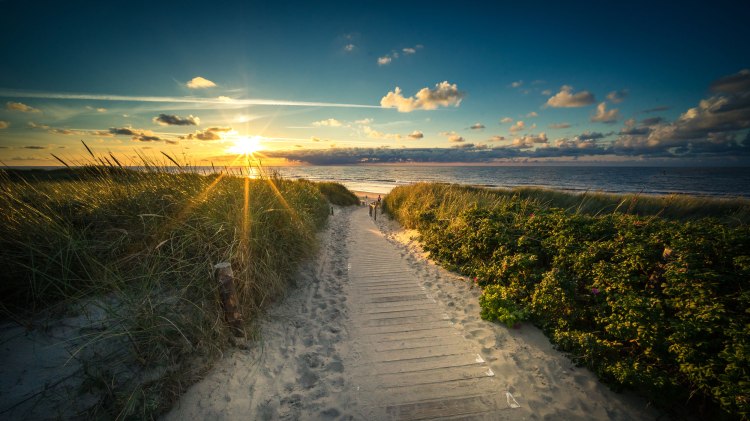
<point>140,246</point>
<point>443,201</point>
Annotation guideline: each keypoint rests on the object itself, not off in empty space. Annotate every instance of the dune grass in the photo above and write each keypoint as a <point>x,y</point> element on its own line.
<point>337,194</point>
<point>447,200</point>
<point>140,246</point>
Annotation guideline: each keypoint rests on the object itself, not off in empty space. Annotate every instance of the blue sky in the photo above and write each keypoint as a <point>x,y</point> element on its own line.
<point>492,83</point>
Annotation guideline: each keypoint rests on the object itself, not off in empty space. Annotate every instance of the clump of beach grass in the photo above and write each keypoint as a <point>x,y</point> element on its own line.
<point>141,245</point>
<point>337,194</point>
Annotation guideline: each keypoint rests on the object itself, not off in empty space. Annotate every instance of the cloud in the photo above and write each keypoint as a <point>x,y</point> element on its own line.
<point>416,134</point>
<point>365,121</point>
<point>135,134</point>
<point>546,92</point>
<point>349,48</point>
<point>656,109</point>
<point>221,101</point>
<point>199,82</point>
<point>592,135</point>
<point>409,50</point>
<point>19,106</point>
<point>712,128</point>
<point>331,122</point>
<point>453,137</point>
<point>528,141</point>
<point>34,147</point>
<point>375,134</point>
<point>517,127</point>
<point>652,121</point>
<point>4,124</point>
<point>173,120</point>
<point>385,60</point>
<point>211,133</point>
<point>477,126</point>
<point>444,94</point>
<point>559,126</point>
<point>496,138</point>
<point>506,120</point>
<point>737,83</point>
<point>33,125</point>
<point>567,99</point>
<point>617,97</point>
<point>605,116</point>
<point>532,114</point>
<point>516,84</point>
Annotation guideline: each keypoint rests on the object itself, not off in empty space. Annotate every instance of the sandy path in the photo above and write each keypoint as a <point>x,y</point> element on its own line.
<point>375,331</point>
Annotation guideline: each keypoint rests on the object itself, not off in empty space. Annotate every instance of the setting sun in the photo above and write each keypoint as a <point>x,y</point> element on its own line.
<point>246,145</point>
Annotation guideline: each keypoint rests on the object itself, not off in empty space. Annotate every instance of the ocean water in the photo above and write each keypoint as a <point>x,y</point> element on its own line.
<point>721,182</point>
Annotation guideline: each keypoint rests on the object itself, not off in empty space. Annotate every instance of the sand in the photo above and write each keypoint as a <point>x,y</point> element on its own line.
<point>374,330</point>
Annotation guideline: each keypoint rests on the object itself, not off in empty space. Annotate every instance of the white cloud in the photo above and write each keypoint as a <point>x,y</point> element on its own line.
<point>520,125</point>
<point>605,116</point>
<point>559,125</point>
<point>370,132</point>
<point>516,84</point>
<point>382,61</point>
<point>453,137</point>
<point>365,121</point>
<point>199,82</point>
<point>506,120</point>
<point>409,50</point>
<point>567,99</point>
<point>19,106</point>
<point>349,48</point>
<point>477,126</point>
<point>497,138</point>
<point>416,134</point>
<point>532,114</point>
<point>546,92</point>
<point>444,94</point>
<point>4,124</point>
<point>617,97</point>
<point>331,122</point>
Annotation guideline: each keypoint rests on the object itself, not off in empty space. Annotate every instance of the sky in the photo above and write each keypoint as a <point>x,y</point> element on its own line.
<point>325,83</point>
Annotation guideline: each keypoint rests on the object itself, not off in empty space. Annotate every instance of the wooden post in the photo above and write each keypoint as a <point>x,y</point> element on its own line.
<point>225,277</point>
<point>370,210</point>
<point>331,210</point>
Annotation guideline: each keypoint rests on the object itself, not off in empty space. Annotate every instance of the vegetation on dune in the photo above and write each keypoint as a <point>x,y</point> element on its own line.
<point>337,194</point>
<point>647,302</point>
<point>140,246</point>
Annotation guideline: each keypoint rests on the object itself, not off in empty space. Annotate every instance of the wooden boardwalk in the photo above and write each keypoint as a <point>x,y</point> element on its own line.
<point>410,362</point>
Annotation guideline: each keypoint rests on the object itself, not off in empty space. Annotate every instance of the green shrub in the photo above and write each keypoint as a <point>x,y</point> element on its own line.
<point>656,304</point>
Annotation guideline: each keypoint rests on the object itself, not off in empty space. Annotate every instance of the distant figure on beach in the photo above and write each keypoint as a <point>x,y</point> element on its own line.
<point>378,199</point>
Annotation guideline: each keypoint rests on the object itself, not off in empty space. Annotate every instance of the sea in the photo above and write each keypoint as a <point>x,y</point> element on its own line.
<point>698,181</point>
<point>724,182</point>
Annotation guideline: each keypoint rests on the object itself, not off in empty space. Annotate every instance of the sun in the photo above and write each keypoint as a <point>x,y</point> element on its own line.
<point>245,145</point>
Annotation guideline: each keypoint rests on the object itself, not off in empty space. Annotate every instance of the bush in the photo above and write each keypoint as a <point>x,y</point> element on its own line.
<point>658,305</point>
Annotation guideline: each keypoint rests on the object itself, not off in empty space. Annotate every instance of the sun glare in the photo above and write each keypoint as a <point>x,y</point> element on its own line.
<point>245,145</point>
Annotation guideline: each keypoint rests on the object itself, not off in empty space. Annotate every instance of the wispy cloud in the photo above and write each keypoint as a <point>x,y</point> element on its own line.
<point>331,122</point>
<point>477,126</point>
<point>4,124</point>
<point>382,61</point>
<point>393,55</point>
<point>444,94</point>
<point>230,102</point>
<point>19,106</point>
<point>617,97</point>
<point>506,120</point>
<point>559,125</point>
